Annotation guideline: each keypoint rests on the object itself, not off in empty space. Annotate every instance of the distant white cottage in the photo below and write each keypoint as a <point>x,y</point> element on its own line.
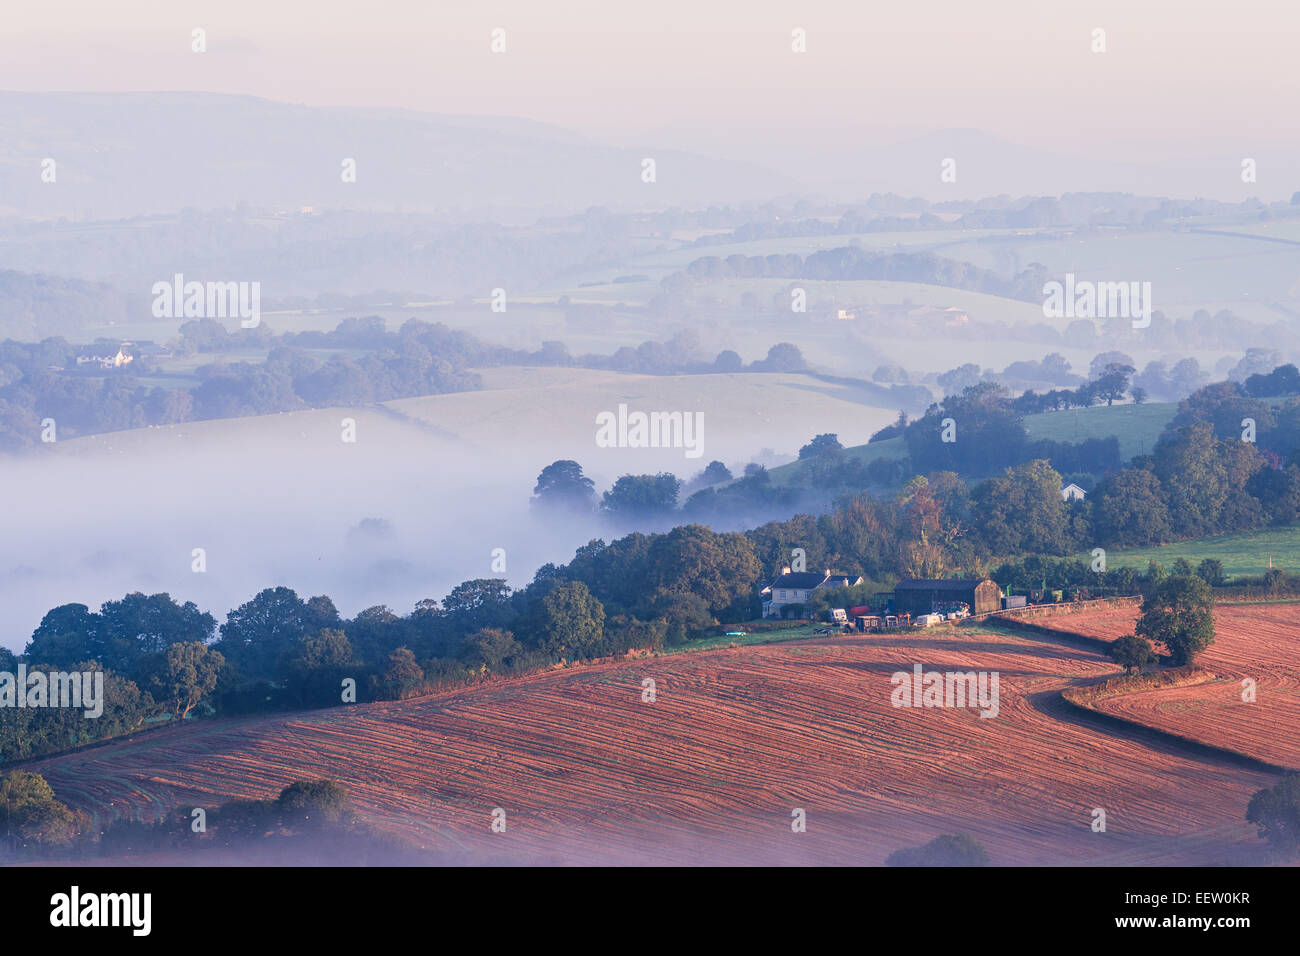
<point>1073,492</point>
<point>105,356</point>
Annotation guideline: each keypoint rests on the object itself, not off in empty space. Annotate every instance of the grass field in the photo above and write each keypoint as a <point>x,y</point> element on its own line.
<point>541,414</point>
<point>1185,269</point>
<point>1137,427</point>
<point>796,472</point>
<point>555,409</point>
<point>1248,553</point>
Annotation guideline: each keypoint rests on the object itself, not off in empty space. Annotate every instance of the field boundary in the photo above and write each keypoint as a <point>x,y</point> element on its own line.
<point>18,762</point>
<point>1014,619</point>
<point>1253,595</point>
<point>1083,699</point>
<point>1189,675</point>
<point>1072,607</point>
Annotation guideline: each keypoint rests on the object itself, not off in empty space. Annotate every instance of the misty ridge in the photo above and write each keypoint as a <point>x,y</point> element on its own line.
<point>156,153</point>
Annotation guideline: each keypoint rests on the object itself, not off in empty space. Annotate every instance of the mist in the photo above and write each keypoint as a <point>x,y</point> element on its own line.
<point>283,500</point>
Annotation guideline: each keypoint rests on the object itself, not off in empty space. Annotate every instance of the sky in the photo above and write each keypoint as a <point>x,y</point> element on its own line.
<point>1177,76</point>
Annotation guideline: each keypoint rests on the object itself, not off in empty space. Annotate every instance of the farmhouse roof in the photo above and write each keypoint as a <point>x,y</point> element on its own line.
<point>939,584</point>
<point>812,579</point>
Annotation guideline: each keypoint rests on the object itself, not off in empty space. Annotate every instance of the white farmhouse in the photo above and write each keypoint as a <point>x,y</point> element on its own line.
<point>795,588</point>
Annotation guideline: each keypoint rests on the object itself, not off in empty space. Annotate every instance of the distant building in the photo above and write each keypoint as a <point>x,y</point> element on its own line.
<point>846,315</point>
<point>1073,492</point>
<point>105,356</point>
<point>917,596</point>
<point>951,315</point>
<point>795,588</point>
<point>148,351</point>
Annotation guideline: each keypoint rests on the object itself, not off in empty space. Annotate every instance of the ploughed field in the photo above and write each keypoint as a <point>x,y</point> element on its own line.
<point>1256,641</point>
<point>711,771</point>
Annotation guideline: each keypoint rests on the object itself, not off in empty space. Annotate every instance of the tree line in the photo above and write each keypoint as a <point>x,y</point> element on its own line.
<point>313,819</point>
<point>356,363</point>
<point>852,263</point>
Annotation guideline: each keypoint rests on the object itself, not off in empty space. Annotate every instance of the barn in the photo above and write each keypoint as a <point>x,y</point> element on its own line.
<point>921,596</point>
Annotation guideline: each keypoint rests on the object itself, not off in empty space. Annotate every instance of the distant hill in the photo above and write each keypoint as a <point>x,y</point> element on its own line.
<point>34,307</point>
<point>988,165</point>
<point>126,154</point>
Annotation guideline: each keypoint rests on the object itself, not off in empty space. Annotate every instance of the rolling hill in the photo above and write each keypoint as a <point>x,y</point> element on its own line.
<point>712,770</point>
<point>1137,427</point>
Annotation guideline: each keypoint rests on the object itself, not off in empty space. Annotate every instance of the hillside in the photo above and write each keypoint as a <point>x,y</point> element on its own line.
<point>1247,553</point>
<point>711,771</point>
<point>35,306</point>
<point>1256,641</point>
<point>1137,427</point>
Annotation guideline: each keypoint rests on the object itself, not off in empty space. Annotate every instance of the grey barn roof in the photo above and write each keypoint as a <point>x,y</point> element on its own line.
<point>940,584</point>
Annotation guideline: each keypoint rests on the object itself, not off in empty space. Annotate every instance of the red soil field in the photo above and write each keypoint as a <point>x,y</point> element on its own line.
<point>1105,623</point>
<point>710,772</point>
<point>1259,641</point>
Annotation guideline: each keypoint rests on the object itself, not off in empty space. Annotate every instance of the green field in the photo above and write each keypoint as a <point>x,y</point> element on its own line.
<point>1137,427</point>
<point>555,408</point>
<point>794,631</point>
<point>1186,270</point>
<point>1247,553</point>
<point>794,472</point>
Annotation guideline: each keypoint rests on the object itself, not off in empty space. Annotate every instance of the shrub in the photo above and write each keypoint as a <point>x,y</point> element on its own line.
<point>952,849</point>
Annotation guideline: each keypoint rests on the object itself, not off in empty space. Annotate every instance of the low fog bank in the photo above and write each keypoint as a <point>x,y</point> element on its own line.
<point>406,512</point>
<point>370,523</point>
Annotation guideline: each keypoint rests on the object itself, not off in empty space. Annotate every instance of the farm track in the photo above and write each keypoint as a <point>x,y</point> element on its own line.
<point>712,770</point>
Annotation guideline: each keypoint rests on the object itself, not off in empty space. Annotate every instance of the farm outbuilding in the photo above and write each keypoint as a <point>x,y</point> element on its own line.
<point>939,595</point>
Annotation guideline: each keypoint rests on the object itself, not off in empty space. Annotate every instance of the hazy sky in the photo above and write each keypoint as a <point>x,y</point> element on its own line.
<point>718,76</point>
